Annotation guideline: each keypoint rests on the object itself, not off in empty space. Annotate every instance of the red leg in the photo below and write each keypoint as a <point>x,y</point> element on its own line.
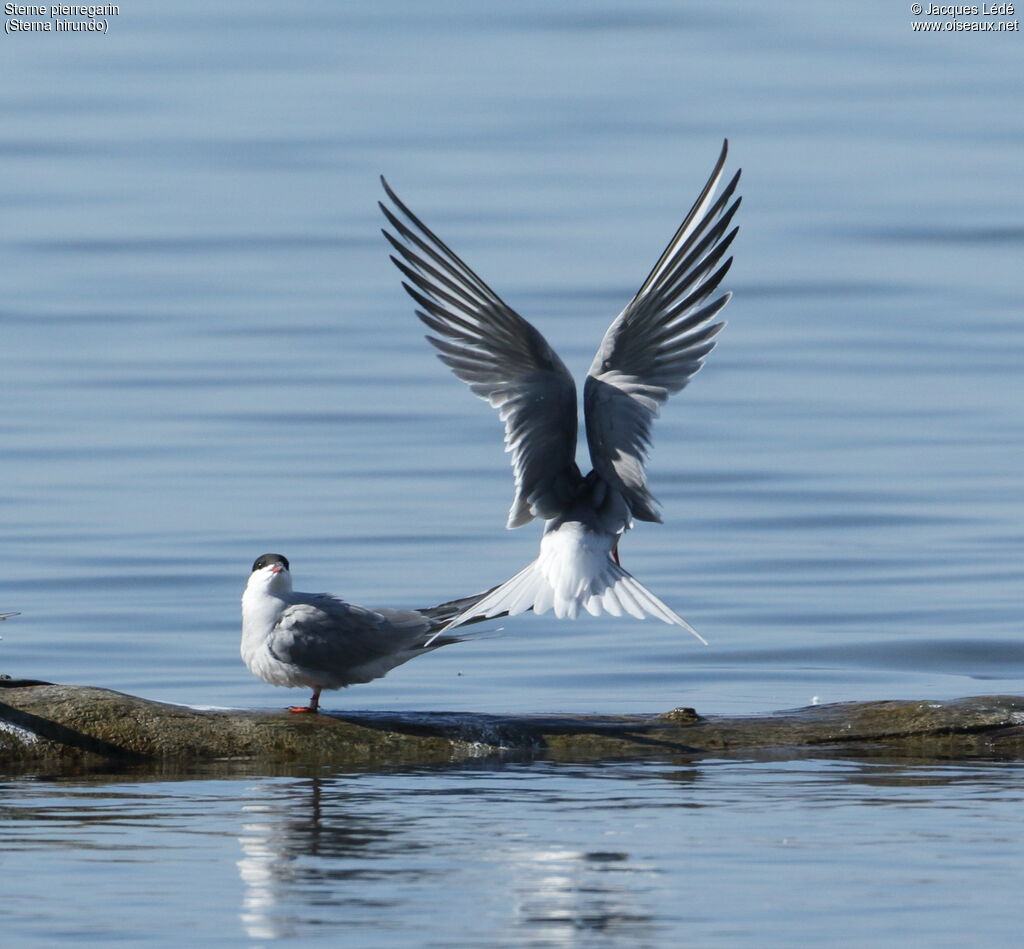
<point>312,708</point>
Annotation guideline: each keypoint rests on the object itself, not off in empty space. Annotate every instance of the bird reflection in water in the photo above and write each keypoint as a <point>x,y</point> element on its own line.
<point>276,841</point>
<point>570,894</point>
<point>351,851</point>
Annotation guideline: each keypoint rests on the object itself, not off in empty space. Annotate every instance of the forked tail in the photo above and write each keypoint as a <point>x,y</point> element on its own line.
<point>613,591</point>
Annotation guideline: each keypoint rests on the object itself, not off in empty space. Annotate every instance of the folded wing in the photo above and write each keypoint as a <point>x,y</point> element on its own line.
<point>500,356</point>
<point>658,342</point>
<point>345,643</point>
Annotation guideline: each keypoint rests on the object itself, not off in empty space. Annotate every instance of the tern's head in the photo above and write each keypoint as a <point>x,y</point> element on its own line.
<point>270,573</point>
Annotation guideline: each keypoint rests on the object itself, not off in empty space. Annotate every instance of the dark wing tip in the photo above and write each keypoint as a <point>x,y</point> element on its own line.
<point>388,191</point>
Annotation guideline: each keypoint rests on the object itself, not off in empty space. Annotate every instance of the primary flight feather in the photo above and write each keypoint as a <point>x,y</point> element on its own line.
<point>651,350</point>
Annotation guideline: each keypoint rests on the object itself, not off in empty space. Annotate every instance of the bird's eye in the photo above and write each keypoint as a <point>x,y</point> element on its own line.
<point>265,560</point>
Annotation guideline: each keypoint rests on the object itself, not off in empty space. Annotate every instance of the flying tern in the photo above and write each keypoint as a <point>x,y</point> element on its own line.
<point>321,642</point>
<point>651,350</point>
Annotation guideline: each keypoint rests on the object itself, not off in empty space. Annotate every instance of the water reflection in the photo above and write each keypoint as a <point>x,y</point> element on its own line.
<point>617,854</point>
<point>560,855</point>
<point>317,843</point>
<point>263,869</point>
<point>566,891</point>
<point>324,841</point>
<point>291,842</point>
<point>570,894</point>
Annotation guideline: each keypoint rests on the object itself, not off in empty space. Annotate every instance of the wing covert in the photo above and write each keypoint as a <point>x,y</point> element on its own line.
<point>327,633</point>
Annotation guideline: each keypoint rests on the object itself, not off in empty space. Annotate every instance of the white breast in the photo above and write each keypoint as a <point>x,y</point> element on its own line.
<point>260,613</point>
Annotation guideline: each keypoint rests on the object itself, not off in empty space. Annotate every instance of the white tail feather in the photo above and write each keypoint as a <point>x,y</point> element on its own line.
<point>613,591</point>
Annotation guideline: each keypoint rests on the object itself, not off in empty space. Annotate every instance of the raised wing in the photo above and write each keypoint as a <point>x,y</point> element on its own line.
<point>657,343</point>
<point>500,356</point>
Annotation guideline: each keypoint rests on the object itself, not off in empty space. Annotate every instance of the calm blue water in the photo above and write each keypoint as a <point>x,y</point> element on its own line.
<point>723,853</point>
<point>206,355</point>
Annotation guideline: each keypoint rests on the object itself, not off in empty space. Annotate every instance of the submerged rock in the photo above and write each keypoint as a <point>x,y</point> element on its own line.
<point>42,722</point>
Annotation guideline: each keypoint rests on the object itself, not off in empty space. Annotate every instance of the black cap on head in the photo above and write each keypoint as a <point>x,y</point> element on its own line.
<point>265,560</point>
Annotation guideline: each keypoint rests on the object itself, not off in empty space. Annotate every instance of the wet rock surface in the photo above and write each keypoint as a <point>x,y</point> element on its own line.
<point>43,722</point>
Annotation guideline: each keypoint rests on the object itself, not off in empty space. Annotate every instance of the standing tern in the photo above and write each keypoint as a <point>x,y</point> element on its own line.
<point>652,349</point>
<point>321,642</point>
